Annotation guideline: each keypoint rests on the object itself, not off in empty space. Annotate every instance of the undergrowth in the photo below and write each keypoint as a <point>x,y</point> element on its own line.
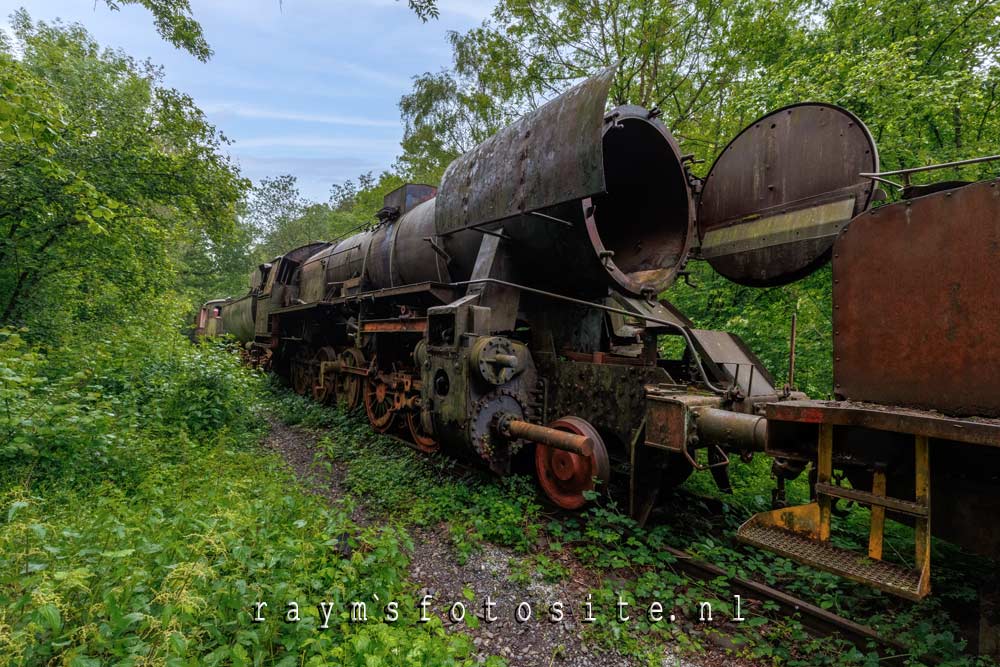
<point>621,558</point>
<point>140,522</point>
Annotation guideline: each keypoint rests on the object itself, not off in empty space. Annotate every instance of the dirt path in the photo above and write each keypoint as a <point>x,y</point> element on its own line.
<point>435,570</point>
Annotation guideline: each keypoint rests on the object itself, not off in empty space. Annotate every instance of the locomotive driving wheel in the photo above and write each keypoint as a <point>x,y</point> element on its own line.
<point>348,389</point>
<point>565,476</point>
<point>379,404</point>
<point>302,380</point>
<point>424,440</point>
<point>325,384</point>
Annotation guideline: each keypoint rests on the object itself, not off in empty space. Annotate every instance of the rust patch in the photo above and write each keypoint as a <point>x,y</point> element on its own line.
<point>917,303</point>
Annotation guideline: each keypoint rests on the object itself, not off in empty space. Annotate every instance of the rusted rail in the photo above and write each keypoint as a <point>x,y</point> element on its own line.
<point>817,620</point>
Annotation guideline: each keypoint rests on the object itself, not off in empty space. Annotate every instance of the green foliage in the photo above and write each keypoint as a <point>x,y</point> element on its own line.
<point>68,414</point>
<point>424,9</point>
<point>394,481</point>
<point>174,23</point>
<point>46,423</point>
<point>762,317</point>
<point>364,199</point>
<point>281,219</point>
<point>442,119</point>
<point>111,184</point>
<point>923,76</point>
<point>618,557</point>
<point>139,521</point>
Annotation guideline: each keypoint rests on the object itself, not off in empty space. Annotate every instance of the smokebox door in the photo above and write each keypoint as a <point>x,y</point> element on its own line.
<point>780,192</point>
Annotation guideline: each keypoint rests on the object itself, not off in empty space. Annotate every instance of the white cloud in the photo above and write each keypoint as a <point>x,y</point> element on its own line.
<point>366,75</point>
<point>250,111</point>
<point>341,143</point>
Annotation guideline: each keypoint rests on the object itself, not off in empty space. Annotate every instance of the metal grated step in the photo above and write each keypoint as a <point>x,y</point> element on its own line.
<point>852,565</point>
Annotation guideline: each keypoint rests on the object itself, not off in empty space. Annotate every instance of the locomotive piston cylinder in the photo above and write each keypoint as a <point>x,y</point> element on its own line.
<point>570,442</point>
<point>731,430</point>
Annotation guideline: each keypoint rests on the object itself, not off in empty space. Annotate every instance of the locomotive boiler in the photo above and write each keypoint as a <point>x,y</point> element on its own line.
<point>513,312</point>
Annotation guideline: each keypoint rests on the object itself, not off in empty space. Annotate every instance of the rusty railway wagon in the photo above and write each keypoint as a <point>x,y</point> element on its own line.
<point>512,313</point>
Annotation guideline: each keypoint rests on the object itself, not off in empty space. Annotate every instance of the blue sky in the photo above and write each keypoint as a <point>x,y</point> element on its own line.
<point>302,87</point>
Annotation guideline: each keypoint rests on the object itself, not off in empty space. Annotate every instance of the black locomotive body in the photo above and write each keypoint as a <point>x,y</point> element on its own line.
<point>514,312</point>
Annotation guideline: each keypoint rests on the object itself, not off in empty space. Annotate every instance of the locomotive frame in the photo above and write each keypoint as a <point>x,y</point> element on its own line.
<point>513,313</point>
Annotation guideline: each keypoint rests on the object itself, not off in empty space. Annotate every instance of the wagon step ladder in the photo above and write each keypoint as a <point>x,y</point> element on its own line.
<point>802,533</point>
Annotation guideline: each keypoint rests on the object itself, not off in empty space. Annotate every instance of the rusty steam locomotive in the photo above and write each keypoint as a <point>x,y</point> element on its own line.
<point>513,311</point>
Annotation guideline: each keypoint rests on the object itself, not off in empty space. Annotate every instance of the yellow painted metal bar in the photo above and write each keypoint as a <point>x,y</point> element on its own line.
<point>877,531</point>
<point>813,222</point>
<point>923,496</point>
<point>824,471</point>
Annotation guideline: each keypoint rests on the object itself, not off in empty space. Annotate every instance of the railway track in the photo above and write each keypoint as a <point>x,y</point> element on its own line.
<point>818,621</point>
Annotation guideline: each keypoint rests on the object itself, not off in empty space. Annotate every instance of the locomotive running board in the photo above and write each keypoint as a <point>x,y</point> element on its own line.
<point>763,530</point>
<point>802,533</point>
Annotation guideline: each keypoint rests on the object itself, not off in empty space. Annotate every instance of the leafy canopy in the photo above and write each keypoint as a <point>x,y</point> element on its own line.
<point>111,184</point>
<point>922,75</point>
<point>175,23</point>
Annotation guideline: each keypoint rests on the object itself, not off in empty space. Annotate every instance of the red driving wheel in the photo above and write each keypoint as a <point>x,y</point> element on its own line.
<point>424,441</point>
<point>379,404</point>
<point>565,476</point>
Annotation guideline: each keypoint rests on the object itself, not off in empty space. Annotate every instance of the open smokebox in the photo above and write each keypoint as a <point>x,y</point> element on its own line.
<point>589,200</point>
<point>641,226</point>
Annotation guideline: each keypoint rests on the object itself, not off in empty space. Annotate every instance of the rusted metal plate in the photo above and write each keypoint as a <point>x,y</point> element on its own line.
<point>394,326</point>
<point>551,155</point>
<point>669,419</point>
<point>406,197</point>
<point>781,191</point>
<point>729,352</point>
<point>886,418</point>
<point>917,303</point>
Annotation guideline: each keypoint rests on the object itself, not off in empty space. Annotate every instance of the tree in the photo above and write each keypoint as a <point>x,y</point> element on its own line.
<point>923,75</point>
<point>174,23</point>
<point>424,9</point>
<point>683,57</point>
<point>316,222</point>
<point>109,182</point>
<point>273,203</point>
<point>364,200</point>
<point>281,219</point>
<point>444,118</point>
